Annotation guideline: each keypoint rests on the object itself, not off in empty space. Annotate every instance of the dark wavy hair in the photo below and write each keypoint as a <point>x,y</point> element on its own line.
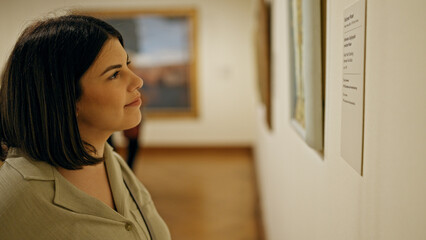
<point>41,85</point>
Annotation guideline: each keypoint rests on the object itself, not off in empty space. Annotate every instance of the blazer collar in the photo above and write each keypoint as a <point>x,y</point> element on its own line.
<point>66,195</point>
<point>29,168</point>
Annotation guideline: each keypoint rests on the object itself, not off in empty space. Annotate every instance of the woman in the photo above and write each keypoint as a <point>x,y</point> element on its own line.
<point>66,88</point>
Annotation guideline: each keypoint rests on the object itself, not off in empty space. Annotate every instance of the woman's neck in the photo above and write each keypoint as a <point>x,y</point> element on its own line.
<point>94,136</point>
<point>97,140</point>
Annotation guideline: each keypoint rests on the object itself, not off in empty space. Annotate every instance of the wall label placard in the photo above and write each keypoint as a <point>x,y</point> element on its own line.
<point>352,131</point>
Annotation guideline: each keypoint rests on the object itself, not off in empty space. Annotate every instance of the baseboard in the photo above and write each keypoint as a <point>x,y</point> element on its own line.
<point>187,147</point>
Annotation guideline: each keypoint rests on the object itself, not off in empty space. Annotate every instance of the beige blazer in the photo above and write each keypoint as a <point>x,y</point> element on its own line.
<point>37,202</point>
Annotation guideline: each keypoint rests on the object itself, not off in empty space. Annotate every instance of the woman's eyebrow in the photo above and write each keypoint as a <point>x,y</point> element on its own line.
<point>110,68</point>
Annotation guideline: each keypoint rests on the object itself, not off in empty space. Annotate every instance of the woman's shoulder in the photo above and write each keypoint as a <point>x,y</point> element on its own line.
<point>12,184</point>
<point>21,182</point>
<point>14,191</point>
<point>25,196</point>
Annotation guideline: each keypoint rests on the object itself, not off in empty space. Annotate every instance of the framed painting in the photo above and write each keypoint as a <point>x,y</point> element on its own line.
<point>307,90</point>
<point>162,47</point>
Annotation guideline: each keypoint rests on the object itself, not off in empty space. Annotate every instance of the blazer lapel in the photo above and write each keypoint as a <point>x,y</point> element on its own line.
<point>116,181</point>
<point>70,197</point>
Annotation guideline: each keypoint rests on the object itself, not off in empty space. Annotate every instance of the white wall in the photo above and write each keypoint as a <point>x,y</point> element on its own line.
<point>309,196</point>
<point>226,83</point>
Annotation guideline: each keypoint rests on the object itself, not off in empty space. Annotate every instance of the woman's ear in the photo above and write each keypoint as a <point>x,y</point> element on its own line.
<point>76,110</point>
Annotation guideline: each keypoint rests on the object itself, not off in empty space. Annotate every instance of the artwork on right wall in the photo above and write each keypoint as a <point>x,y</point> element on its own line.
<point>307,87</point>
<point>263,57</point>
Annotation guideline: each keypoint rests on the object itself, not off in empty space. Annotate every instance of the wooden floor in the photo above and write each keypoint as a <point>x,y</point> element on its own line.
<point>203,194</point>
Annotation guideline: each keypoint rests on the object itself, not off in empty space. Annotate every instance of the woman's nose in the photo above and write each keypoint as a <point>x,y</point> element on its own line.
<point>137,81</point>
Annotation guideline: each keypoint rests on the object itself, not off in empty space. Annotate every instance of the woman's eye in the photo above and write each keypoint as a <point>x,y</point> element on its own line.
<point>115,75</point>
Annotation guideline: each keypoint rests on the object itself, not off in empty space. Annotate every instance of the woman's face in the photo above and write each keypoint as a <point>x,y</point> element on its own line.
<point>110,98</point>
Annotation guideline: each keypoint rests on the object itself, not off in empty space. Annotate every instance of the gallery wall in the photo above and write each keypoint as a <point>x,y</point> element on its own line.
<point>310,195</point>
<point>226,75</point>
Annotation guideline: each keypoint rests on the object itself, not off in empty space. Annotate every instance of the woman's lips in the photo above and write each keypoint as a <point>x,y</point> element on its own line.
<point>136,103</point>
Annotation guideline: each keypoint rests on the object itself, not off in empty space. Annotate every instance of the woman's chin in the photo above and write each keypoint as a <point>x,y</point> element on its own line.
<point>134,123</point>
